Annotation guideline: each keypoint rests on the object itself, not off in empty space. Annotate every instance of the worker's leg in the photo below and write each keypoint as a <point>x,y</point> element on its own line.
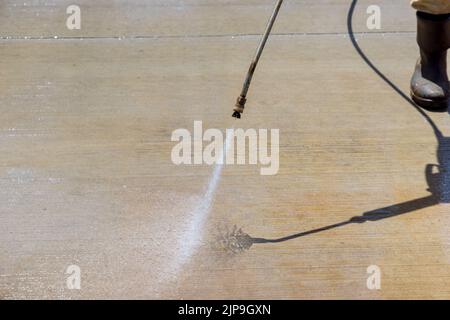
<point>429,84</point>
<point>432,6</point>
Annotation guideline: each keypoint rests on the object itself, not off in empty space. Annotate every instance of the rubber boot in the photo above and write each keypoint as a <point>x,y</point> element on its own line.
<point>429,84</point>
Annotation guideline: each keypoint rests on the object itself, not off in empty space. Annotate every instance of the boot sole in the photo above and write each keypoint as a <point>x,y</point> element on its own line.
<point>429,103</point>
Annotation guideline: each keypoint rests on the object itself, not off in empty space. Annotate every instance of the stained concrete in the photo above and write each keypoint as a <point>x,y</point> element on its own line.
<point>86,176</point>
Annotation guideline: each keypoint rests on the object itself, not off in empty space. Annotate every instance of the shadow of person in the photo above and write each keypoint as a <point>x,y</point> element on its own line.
<point>437,175</point>
<point>438,179</point>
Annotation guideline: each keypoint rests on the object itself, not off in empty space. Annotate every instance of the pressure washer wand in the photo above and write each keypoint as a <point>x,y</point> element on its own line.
<point>240,104</point>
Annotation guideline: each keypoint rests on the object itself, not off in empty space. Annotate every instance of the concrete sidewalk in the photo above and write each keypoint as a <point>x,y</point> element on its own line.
<point>86,176</point>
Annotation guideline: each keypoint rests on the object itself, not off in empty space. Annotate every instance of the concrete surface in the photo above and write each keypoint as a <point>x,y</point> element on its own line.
<point>86,177</point>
